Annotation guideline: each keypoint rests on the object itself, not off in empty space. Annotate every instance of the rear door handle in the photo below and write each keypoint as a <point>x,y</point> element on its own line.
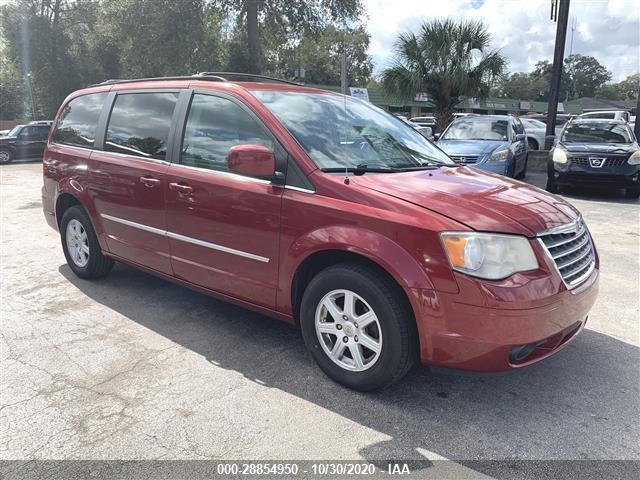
<point>181,188</point>
<point>149,181</point>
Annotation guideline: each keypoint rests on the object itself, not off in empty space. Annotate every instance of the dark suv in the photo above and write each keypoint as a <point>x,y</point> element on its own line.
<point>596,152</point>
<point>24,141</point>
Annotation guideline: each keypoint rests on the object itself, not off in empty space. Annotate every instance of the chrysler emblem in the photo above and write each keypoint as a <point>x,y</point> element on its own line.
<point>596,162</point>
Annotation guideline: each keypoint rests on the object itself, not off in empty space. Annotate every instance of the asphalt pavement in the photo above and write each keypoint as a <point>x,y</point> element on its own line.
<point>132,367</point>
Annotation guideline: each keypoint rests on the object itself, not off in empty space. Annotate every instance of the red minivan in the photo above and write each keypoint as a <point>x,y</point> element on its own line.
<point>320,210</point>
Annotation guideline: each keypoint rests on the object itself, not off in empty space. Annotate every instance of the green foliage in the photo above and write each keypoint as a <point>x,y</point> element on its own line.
<point>320,55</point>
<point>628,89</point>
<point>446,59</point>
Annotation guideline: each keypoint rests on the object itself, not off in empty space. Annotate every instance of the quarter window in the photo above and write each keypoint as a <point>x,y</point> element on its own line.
<point>78,121</point>
<point>214,125</point>
<point>139,124</point>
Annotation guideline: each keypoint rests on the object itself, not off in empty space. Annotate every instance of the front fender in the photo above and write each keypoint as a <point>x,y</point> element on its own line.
<point>419,271</point>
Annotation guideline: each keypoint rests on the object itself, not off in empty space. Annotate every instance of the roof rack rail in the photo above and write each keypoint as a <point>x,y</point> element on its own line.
<point>243,77</point>
<point>210,76</point>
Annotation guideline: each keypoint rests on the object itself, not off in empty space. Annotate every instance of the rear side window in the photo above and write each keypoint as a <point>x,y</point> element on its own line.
<point>214,125</point>
<point>139,124</point>
<point>78,121</point>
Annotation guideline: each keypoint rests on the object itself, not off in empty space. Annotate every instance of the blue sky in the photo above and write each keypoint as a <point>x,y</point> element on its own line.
<point>606,29</point>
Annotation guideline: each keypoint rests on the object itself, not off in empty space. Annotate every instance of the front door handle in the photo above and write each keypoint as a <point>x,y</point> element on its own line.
<point>149,181</point>
<point>181,188</point>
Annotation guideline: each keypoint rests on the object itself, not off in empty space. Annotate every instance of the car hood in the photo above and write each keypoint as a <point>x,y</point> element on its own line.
<point>480,200</point>
<point>612,148</point>
<point>470,147</point>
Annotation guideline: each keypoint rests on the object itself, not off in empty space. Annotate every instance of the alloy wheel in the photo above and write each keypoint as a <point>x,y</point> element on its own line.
<point>77,243</point>
<point>348,330</point>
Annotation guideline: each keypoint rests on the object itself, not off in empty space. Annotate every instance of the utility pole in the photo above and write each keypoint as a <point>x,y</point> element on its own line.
<point>558,57</point>
<point>33,105</point>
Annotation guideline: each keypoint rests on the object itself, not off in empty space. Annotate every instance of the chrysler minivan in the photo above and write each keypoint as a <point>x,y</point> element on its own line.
<point>322,211</point>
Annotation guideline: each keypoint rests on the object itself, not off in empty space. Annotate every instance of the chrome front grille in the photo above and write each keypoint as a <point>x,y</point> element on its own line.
<point>608,161</point>
<point>465,158</point>
<point>571,249</point>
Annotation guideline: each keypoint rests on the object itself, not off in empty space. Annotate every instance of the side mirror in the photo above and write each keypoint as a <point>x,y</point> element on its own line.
<point>520,137</point>
<point>253,161</point>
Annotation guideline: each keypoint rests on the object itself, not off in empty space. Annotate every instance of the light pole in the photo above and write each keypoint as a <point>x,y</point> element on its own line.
<point>558,56</point>
<point>33,105</point>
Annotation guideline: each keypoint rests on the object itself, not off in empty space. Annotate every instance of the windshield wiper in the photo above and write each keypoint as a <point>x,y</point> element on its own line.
<point>361,169</point>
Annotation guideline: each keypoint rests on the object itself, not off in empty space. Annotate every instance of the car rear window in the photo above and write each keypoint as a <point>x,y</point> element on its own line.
<point>139,124</point>
<point>78,121</point>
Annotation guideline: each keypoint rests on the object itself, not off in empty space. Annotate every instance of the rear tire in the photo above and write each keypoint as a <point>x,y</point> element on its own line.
<point>392,331</point>
<point>80,245</point>
<point>6,156</point>
<point>532,144</point>
<point>632,192</point>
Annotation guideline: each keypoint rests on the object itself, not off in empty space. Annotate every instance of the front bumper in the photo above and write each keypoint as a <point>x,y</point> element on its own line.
<point>480,329</point>
<point>619,176</point>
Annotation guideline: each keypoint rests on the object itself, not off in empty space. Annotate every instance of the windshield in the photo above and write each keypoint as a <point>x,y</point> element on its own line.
<point>477,129</point>
<point>15,131</point>
<point>532,123</point>
<point>343,132</point>
<point>597,133</point>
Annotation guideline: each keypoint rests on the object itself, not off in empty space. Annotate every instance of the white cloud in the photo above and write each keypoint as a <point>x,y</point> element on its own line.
<point>608,30</point>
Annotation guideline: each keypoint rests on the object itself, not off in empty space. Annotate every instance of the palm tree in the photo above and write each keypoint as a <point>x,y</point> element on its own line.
<point>447,60</point>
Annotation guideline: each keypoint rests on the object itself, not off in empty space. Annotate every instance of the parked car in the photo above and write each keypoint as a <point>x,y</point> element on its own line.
<point>595,152</point>
<point>424,121</point>
<point>23,141</point>
<point>608,114</point>
<point>323,211</point>
<point>561,119</point>
<point>536,131</point>
<point>496,143</point>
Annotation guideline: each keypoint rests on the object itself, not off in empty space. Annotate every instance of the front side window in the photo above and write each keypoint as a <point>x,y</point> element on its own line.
<point>597,133</point>
<point>343,132</point>
<point>78,121</point>
<point>214,125</point>
<point>139,124</point>
<point>477,129</point>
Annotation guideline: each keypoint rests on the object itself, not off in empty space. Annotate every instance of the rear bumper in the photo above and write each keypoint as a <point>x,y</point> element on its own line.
<point>483,338</point>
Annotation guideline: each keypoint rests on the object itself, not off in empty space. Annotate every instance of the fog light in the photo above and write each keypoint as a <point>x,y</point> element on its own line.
<point>556,175</point>
<point>635,179</point>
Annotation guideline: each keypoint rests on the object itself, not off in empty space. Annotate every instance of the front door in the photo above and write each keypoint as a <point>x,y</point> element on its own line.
<point>127,179</point>
<point>223,228</point>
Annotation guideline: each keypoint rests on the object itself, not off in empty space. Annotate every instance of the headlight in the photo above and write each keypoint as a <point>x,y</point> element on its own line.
<point>488,255</point>
<point>499,156</point>
<point>634,159</point>
<point>559,155</point>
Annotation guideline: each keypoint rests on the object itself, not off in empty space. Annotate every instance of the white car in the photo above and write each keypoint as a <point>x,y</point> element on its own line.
<point>608,114</point>
<point>424,121</point>
<point>535,130</point>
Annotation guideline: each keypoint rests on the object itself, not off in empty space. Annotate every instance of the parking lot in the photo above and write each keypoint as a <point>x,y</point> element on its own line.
<point>133,367</point>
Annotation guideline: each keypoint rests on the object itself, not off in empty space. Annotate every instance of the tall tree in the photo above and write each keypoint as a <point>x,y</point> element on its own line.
<point>585,75</point>
<point>320,56</point>
<point>283,19</point>
<point>446,59</point>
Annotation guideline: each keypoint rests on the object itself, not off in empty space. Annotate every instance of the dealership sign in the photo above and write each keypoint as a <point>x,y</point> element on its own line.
<point>361,93</point>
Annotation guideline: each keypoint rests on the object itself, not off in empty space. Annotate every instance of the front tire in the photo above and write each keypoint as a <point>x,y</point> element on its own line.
<point>552,187</point>
<point>6,156</point>
<point>80,245</point>
<point>358,326</point>
<point>632,192</point>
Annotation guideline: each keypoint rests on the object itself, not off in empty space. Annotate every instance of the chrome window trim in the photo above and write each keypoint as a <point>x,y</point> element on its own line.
<point>299,189</point>
<point>177,236</point>
<point>133,157</point>
<point>222,172</point>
